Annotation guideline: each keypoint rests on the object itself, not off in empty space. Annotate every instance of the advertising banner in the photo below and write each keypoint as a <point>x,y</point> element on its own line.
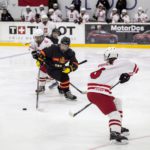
<point>23,31</point>
<point>117,33</point>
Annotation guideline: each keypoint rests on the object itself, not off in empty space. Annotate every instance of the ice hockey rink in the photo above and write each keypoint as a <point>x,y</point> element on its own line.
<point>52,128</point>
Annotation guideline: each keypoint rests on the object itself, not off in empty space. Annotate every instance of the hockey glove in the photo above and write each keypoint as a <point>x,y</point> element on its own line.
<point>35,54</point>
<point>124,77</point>
<point>66,70</point>
<point>38,63</point>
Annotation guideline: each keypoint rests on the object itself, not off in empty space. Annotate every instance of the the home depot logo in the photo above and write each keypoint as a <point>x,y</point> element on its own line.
<point>21,29</point>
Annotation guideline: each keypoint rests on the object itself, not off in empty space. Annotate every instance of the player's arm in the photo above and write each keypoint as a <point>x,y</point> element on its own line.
<point>73,64</point>
<point>42,55</point>
<point>131,69</point>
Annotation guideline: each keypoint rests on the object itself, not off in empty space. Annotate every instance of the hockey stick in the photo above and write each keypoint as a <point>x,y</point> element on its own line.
<point>37,92</point>
<point>82,62</point>
<point>75,114</point>
<point>82,92</point>
<point>15,55</point>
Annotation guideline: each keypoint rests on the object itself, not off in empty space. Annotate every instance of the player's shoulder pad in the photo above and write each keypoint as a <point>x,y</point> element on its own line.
<point>70,52</point>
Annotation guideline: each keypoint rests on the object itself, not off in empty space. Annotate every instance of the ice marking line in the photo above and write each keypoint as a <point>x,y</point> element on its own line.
<point>108,144</point>
<point>11,56</point>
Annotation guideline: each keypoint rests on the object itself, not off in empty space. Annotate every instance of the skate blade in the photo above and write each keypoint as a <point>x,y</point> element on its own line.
<point>71,99</point>
<point>123,142</point>
<point>40,93</point>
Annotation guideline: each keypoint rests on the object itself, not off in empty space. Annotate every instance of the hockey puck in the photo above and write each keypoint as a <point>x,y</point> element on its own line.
<point>24,108</point>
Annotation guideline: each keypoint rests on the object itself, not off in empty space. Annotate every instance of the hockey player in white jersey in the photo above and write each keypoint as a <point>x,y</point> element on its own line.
<point>57,13</point>
<point>114,16</point>
<point>141,16</point>
<point>124,16</point>
<point>46,26</point>
<point>99,91</point>
<point>72,14</point>
<point>84,16</point>
<point>28,15</point>
<point>41,42</point>
<point>100,13</point>
<point>42,10</point>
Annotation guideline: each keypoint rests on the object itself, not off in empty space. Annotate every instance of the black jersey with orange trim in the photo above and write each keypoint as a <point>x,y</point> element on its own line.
<point>55,58</point>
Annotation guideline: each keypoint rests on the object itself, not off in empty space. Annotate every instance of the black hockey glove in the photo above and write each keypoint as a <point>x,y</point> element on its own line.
<point>35,54</point>
<point>124,77</point>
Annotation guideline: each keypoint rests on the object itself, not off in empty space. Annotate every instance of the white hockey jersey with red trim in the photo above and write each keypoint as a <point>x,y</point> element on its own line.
<point>106,75</point>
<point>45,43</point>
<point>47,29</point>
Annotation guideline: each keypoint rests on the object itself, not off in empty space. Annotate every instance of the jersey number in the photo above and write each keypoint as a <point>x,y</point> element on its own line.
<point>97,73</point>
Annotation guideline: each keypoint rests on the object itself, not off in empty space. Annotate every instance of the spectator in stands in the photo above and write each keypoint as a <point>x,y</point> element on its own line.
<point>46,26</point>
<point>6,16</point>
<point>141,16</point>
<point>51,14</point>
<point>42,10</point>
<point>84,16</point>
<point>53,17</point>
<point>72,14</point>
<point>51,2</point>
<point>120,5</point>
<point>105,4</point>
<point>100,13</point>
<point>57,12</point>
<point>124,17</point>
<point>77,4</point>
<point>28,15</point>
<point>114,16</point>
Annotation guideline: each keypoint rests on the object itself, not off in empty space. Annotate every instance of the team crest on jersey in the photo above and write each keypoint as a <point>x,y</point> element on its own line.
<point>62,60</point>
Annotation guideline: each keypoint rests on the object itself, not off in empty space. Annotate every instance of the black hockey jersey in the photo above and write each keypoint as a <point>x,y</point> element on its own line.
<point>55,58</point>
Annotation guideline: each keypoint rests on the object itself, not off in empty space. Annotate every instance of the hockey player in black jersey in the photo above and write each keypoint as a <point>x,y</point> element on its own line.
<point>54,36</point>
<point>56,57</point>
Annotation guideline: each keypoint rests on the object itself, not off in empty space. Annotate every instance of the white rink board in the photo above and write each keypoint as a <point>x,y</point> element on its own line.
<point>22,31</point>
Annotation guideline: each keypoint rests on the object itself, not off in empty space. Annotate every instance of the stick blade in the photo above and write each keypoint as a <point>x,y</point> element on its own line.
<point>71,114</point>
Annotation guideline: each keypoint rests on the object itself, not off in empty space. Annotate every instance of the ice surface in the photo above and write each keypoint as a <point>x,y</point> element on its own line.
<point>53,128</point>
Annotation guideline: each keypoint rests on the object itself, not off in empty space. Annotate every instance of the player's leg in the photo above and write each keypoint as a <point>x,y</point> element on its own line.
<point>42,81</point>
<point>64,86</point>
<point>118,103</point>
<point>107,106</point>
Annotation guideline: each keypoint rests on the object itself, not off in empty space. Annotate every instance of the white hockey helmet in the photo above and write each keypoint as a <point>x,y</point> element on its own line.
<point>124,11</point>
<point>140,9</point>
<point>38,32</point>
<point>72,6</point>
<point>51,10</point>
<point>38,35</point>
<point>114,9</point>
<point>55,5</point>
<point>83,9</point>
<point>44,17</point>
<point>110,53</point>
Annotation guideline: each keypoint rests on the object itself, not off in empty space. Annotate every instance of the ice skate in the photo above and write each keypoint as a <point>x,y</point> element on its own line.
<point>40,90</point>
<point>55,83</point>
<point>117,138</point>
<point>60,90</point>
<point>125,131</point>
<point>70,96</point>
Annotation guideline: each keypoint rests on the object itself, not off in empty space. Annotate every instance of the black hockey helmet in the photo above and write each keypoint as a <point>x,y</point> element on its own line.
<point>65,40</point>
<point>56,31</point>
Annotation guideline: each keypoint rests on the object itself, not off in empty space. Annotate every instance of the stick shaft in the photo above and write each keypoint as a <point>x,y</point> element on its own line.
<point>37,92</point>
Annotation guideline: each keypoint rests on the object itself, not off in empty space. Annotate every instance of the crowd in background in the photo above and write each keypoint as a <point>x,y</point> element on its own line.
<point>76,13</point>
